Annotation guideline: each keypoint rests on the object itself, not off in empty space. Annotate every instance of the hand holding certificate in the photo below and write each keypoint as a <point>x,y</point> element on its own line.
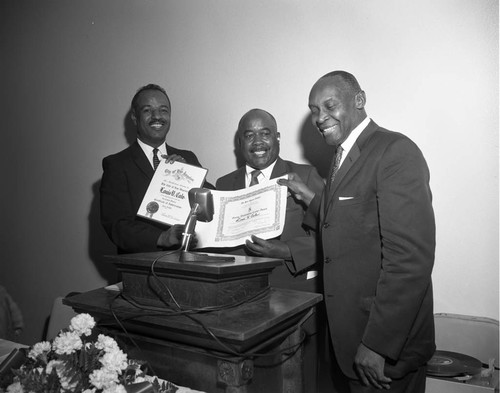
<point>166,199</point>
<point>259,210</point>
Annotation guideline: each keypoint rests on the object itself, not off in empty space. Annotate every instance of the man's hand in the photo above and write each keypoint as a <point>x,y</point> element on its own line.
<point>370,368</point>
<point>268,248</point>
<point>170,159</point>
<point>298,188</point>
<point>171,237</point>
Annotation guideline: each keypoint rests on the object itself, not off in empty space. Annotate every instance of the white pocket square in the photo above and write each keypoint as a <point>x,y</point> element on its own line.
<point>345,198</point>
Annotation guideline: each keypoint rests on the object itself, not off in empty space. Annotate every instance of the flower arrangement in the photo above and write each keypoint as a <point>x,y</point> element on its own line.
<point>79,362</point>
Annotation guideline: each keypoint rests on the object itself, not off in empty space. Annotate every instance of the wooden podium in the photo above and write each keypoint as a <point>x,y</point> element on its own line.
<point>213,325</point>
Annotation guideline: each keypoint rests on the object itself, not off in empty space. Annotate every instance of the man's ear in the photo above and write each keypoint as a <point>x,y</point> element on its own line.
<point>132,116</point>
<point>360,99</point>
<point>278,136</point>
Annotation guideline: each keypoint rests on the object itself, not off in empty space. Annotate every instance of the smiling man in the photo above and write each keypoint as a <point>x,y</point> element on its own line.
<point>378,240</point>
<point>259,143</point>
<point>127,175</point>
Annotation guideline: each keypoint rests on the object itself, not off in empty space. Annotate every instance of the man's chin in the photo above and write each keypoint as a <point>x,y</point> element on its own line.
<point>259,164</point>
<point>331,140</point>
<point>158,136</point>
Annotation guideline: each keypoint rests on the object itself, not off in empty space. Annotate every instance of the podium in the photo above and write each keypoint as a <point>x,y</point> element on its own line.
<point>213,325</point>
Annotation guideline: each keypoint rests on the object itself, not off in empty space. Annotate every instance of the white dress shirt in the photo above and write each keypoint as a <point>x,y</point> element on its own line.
<point>265,174</point>
<point>148,151</point>
<point>351,139</point>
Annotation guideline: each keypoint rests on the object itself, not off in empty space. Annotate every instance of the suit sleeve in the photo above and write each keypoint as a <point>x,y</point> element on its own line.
<point>303,248</point>
<point>407,231</point>
<point>118,215</point>
<point>311,218</point>
<point>219,186</point>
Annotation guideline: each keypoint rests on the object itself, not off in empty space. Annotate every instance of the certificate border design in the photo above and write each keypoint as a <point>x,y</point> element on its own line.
<point>177,176</point>
<point>219,236</point>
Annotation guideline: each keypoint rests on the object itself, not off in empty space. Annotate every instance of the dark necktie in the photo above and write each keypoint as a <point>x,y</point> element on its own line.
<point>254,180</point>
<point>336,163</point>
<point>156,160</point>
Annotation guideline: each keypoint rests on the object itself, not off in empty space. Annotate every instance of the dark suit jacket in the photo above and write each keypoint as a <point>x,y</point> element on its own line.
<point>125,180</point>
<point>300,240</point>
<point>378,237</point>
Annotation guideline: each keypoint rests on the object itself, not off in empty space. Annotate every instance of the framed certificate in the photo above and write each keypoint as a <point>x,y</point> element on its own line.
<point>166,199</point>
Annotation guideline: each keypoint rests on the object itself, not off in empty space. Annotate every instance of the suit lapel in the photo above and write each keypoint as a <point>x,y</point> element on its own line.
<point>239,179</point>
<point>280,169</point>
<point>348,163</point>
<point>141,160</point>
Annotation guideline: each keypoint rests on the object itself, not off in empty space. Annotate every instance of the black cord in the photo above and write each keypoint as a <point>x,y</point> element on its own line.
<point>128,335</point>
<point>178,310</point>
<point>186,313</point>
<point>228,348</point>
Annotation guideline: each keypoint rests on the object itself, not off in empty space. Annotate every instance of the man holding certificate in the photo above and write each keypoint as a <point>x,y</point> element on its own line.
<point>127,176</point>
<point>259,142</point>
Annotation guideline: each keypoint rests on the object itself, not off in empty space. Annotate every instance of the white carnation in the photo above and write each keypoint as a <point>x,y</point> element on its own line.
<point>15,388</point>
<point>38,349</point>
<point>106,343</point>
<point>115,389</point>
<point>103,378</point>
<point>82,324</point>
<point>67,343</point>
<point>115,360</point>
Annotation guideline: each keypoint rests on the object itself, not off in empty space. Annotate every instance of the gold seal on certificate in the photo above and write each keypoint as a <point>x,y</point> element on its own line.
<point>152,208</point>
<point>166,199</point>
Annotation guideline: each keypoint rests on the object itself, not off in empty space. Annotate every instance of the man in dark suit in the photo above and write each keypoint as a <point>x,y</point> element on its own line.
<point>378,240</point>
<point>127,175</point>
<point>259,142</point>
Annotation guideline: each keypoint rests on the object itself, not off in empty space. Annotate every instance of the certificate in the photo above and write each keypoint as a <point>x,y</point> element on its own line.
<point>259,210</point>
<point>167,197</point>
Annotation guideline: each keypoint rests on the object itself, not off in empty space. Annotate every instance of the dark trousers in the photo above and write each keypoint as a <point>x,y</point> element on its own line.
<point>413,382</point>
<point>337,382</point>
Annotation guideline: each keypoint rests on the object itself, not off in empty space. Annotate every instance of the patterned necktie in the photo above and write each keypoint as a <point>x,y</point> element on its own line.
<point>254,180</point>
<point>156,160</point>
<point>336,163</point>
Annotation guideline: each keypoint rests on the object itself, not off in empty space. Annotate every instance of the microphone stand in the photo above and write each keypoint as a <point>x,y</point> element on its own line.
<point>189,227</point>
<point>185,255</point>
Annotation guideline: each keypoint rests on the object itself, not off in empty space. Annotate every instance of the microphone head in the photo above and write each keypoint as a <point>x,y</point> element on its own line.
<point>203,197</point>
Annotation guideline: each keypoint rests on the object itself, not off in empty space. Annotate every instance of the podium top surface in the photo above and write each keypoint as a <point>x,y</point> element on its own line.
<point>242,326</point>
<point>207,263</point>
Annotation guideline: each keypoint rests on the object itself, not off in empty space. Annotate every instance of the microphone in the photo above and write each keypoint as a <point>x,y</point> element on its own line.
<point>202,209</point>
<point>203,197</point>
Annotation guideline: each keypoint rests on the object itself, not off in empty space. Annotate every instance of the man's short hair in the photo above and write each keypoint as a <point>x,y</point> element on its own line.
<point>349,80</point>
<point>151,86</point>
<point>259,110</point>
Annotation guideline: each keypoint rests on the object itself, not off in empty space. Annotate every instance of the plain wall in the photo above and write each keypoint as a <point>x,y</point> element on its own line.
<point>69,69</point>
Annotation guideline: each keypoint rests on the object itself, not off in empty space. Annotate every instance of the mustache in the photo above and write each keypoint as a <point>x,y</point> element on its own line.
<point>253,149</point>
<point>161,121</point>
